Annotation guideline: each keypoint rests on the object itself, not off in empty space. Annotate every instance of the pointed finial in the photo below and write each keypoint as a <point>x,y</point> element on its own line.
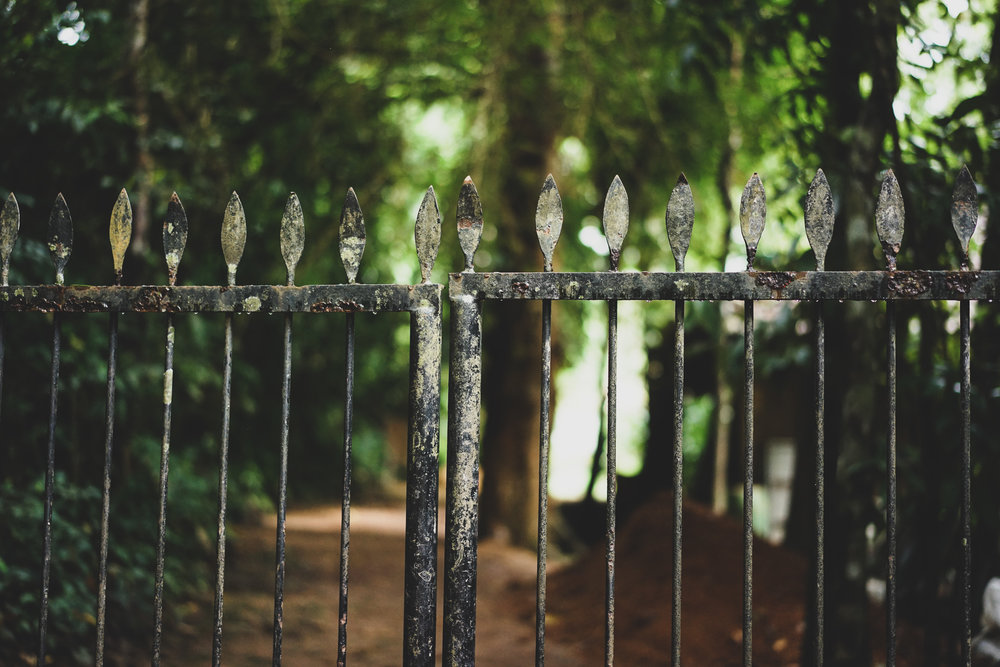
<point>10,222</point>
<point>427,233</point>
<point>352,235</point>
<point>753,212</point>
<point>293,235</point>
<point>889,217</point>
<point>175,232</point>
<point>615,219</point>
<point>470,221</point>
<point>680,220</point>
<point>120,232</point>
<point>819,217</point>
<point>60,236</point>
<point>234,235</point>
<point>964,211</point>
<point>548,219</point>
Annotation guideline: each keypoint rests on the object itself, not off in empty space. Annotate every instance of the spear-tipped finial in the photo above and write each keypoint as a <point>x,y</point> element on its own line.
<point>120,232</point>
<point>352,235</point>
<point>889,216</point>
<point>680,220</point>
<point>470,221</point>
<point>293,235</point>
<point>60,236</point>
<point>175,231</point>
<point>819,217</point>
<point>10,223</point>
<point>234,235</point>
<point>427,233</point>
<point>548,219</point>
<point>753,212</point>
<point>615,219</point>
<point>964,211</point>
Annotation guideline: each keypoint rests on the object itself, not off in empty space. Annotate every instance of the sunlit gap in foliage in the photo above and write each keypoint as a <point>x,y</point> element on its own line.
<point>72,28</point>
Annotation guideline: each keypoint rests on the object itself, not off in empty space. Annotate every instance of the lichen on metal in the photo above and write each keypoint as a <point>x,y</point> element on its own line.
<point>293,235</point>
<point>615,219</point>
<point>753,212</point>
<point>819,217</point>
<point>427,233</point>
<point>964,211</point>
<point>889,216</point>
<point>548,219</point>
<point>469,215</point>
<point>175,230</point>
<point>10,223</point>
<point>352,235</point>
<point>680,220</point>
<point>60,236</point>
<point>234,235</point>
<point>120,232</point>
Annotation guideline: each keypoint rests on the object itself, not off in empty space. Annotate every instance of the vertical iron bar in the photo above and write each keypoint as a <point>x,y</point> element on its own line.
<point>966,487</point>
<point>890,508</point>
<point>748,326</point>
<point>543,483</point>
<point>3,332</point>
<point>345,508</point>
<point>161,543</point>
<point>420,596</point>
<point>49,479</point>
<point>612,479</point>
<point>675,621</point>
<point>820,477</point>
<point>109,426</point>
<point>462,496</point>
<point>279,542</point>
<point>220,559</point>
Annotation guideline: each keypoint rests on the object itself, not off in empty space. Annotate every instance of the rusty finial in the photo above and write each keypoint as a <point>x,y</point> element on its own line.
<point>293,235</point>
<point>234,235</point>
<point>427,233</point>
<point>964,211</point>
<point>889,217</point>
<point>548,219</point>
<point>615,219</point>
<point>175,232</point>
<point>470,221</point>
<point>753,212</point>
<point>680,220</point>
<point>10,222</point>
<point>819,217</point>
<point>60,236</point>
<point>120,232</point>
<point>352,235</point>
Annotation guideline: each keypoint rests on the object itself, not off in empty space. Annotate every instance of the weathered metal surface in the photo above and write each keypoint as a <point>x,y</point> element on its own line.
<point>680,220</point>
<point>10,223</point>
<point>352,235</point>
<point>890,492</point>
<point>889,216</point>
<point>345,505</point>
<point>161,542</point>
<point>965,581</point>
<point>220,539</point>
<point>175,231</point>
<point>60,236</point>
<point>293,235</point>
<point>615,220</point>
<point>548,219</point>
<point>820,422</point>
<point>120,232</point>
<point>427,233</point>
<point>748,454</point>
<point>279,540</point>
<point>470,221</point>
<point>49,481</point>
<point>109,428</point>
<point>964,211</point>
<point>735,286</point>
<point>753,212</point>
<point>819,217</point>
<point>234,235</point>
<point>611,510</point>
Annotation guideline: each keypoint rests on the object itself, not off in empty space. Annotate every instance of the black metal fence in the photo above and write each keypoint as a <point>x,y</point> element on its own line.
<point>468,291</point>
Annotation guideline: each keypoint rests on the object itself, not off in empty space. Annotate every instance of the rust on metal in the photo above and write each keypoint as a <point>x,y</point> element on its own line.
<point>175,230</point>
<point>234,235</point>
<point>819,217</point>
<point>912,283</point>
<point>352,235</point>
<point>774,280</point>
<point>60,236</point>
<point>615,219</point>
<point>680,220</point>
<point>427,233</point>
<point>964,211</point>
<point>293,235</point>
<point>889,215</point>
<point>120,232</point>
<point>470,221</point>
<point>753,212</point>
<point>10,222</point>
<point>548,219</point>
<point>961,282</point>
